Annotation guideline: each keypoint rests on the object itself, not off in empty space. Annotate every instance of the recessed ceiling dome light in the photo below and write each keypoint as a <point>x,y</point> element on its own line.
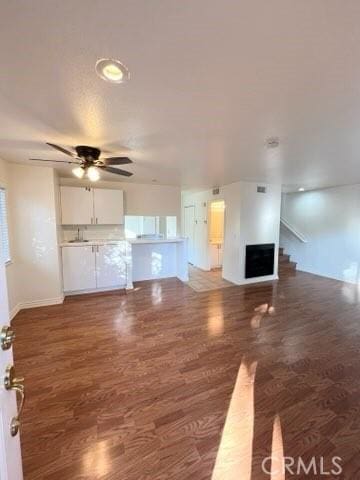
<point>112,70</point>
<point>301,189</point>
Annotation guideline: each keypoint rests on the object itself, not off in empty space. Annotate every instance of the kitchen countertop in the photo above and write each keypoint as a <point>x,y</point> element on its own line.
<point>132,241</point>
<point>139,241</point>
<point>91,243</point>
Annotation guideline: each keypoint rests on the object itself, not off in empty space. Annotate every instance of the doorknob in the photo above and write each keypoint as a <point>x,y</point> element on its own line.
<point>7,336</point>
<point>13,383</point>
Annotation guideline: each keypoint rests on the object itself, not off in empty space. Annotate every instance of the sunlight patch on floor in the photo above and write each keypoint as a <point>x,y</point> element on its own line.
<point>234,457</point>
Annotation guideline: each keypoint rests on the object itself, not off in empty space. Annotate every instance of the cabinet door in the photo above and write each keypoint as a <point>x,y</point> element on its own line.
<point>79,271</point>
<point>108,206</point>
<point>77,206</point>
<point>110,266</point>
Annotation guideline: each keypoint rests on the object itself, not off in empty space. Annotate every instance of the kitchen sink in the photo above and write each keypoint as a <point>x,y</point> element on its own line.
<point>78,241</point>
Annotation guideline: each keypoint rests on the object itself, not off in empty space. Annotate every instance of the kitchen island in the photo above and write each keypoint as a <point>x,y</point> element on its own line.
<point>99,265</point>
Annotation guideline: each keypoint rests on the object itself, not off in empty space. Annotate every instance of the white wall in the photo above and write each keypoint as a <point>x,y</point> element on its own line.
<point>259,223</point>
<point>330,221</point>
<point>250,218</point>
<point>34,277</point>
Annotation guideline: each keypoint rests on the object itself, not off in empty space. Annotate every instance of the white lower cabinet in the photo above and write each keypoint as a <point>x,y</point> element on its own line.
<point>94,267</point>
<point>79,271</point>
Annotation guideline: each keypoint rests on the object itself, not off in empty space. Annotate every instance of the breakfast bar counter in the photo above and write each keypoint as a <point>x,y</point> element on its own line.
<point>159,258</point>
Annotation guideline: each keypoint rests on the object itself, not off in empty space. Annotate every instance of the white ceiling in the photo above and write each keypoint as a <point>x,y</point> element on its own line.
<point>210,81</point>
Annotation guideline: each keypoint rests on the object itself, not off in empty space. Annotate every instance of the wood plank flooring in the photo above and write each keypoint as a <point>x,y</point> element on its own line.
<point>168,383</point>
<point>203,281</point>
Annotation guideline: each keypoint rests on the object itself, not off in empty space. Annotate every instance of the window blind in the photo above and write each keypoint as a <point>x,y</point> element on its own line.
<point>4,231</point>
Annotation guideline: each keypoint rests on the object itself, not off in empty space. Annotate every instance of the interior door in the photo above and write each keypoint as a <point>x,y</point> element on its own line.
<point>189,231</point>
<point>77,206</point>
<point>108,206</point>
<point>110,266</point>
<point>10,454</point>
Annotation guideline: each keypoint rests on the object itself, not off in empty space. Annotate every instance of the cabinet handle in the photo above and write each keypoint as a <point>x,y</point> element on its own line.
<point>96,220</point>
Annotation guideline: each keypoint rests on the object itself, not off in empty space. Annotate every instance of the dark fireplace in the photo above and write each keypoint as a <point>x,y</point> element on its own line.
<point>259,260</point>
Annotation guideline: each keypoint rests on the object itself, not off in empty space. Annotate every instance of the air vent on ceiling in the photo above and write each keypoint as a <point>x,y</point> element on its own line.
<point>261,189</point>
<point>216,191</point>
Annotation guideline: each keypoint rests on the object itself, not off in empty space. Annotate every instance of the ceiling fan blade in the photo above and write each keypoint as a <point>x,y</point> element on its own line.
<point>118,171</point>
<point>116,161</point>
<point>61,149</point>
<point>54,161</point>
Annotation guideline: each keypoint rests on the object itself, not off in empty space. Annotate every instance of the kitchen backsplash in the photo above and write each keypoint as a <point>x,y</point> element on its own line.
<point>93,232</point>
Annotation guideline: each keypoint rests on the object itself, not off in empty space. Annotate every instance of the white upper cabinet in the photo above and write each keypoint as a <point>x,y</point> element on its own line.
<point>77,206</point>
<point>89,206</point>
<point>108,206</point>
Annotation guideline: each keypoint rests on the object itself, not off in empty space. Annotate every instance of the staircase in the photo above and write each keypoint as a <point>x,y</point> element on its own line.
<point>286,267</point>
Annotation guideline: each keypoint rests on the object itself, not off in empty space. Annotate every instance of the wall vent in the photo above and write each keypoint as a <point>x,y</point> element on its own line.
<point>261,189</point>
<point>216,191</point>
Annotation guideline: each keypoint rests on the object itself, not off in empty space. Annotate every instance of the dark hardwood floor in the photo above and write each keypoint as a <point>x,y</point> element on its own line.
<point>168,383</point>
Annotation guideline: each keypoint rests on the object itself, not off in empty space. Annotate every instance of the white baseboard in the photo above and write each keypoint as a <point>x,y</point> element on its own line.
<point>95,290</point>
<point>36,303</point>
<point>265,278</point>
<point>42,303</point>
<point>14,311</point>
<point>251,281</point>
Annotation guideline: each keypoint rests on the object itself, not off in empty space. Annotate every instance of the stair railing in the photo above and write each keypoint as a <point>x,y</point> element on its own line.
<point>293,230</point>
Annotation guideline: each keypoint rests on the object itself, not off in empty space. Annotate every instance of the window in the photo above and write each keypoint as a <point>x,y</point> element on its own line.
<point>136,225</point>
<point>4,231</point>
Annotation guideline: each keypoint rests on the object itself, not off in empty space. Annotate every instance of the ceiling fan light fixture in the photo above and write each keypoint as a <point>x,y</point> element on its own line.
<point>93,174</point>
<point>78,172</point>
<point>112,70</point>
<point>88,162</point>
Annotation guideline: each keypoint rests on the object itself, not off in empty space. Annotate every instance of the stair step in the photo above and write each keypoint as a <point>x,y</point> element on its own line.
<point>287,272</point>
<point>287,266</point>
<point>284,258</point>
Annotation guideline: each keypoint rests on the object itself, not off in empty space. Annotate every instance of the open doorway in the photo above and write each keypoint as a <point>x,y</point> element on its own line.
<point>216,233</point>
<point>213,238</point>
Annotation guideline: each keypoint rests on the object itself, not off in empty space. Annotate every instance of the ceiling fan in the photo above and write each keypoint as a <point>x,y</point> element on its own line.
<point>89,162</point>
